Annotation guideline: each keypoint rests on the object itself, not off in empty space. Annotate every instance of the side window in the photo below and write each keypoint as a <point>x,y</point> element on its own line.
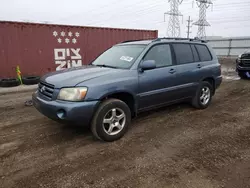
<point>183,53</point>
<point>203,52</point>
<point>161,54</point>
<point>195,53</point>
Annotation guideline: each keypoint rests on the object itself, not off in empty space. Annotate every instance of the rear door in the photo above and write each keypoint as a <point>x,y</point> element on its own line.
<point>206,65</point>
<point>156,86</point>
<point>188,68</point>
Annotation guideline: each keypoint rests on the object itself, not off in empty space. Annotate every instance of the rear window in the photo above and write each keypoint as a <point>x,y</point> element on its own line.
<point>195,53</point>
<point>183,53</point>
<point>203,53</point>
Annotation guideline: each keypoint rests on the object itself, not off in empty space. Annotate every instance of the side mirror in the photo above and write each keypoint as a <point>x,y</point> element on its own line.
<point>148,64</point>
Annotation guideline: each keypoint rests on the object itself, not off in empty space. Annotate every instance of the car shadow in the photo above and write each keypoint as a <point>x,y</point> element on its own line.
<point>161,111</point>
<point>70,131</point>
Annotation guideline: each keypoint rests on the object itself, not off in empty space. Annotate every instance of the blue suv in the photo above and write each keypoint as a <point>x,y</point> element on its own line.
<point>129,78</point>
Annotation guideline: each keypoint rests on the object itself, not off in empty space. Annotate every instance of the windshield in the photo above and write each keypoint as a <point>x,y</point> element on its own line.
<point>119,56</point>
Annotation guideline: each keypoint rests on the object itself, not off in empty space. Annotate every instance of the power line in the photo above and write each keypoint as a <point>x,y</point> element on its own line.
<point>231,4</point>
<point>124,13</point>
<point>142,12</point>
<point>145,11</point>
<point>155,8</point>
<point>103,6</point>
<point>232,21</point>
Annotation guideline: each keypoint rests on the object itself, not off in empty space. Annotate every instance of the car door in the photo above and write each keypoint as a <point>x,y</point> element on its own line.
<point>156,85</point>
<point>205,64</point>
<point>188,67</point>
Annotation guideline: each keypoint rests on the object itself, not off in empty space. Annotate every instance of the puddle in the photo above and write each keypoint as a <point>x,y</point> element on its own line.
<point>228,69</point>
<point>232,78</point>
<point>229,74</point>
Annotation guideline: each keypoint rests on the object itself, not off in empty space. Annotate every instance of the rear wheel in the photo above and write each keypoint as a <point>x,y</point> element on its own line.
<point>203,95</point>
<point>111,120</point>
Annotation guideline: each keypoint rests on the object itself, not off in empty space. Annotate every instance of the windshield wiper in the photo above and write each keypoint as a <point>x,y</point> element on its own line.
<point>108,66</point>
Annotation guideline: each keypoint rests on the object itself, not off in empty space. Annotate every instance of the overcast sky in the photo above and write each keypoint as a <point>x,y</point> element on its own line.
<point>228,17</point>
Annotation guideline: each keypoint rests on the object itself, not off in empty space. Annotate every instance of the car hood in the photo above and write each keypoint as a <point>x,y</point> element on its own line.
<point>74,76</point>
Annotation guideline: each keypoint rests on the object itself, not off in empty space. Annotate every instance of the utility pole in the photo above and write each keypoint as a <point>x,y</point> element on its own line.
<point>202,23</point>
<point>174,23</point>
<point>189,26</point>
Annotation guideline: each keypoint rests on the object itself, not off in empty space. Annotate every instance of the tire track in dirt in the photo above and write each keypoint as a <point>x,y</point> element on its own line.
<point>172,147</point>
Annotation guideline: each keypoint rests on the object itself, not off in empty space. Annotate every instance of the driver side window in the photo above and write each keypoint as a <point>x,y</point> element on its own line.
<point>161,54</point>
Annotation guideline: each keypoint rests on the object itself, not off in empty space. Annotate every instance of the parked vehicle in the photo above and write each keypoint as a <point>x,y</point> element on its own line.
<point>127,79</point>
<point>243,65</point>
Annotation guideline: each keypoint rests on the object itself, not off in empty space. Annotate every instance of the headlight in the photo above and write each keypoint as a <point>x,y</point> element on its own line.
<point>72,94</point>
<point>240,56</point>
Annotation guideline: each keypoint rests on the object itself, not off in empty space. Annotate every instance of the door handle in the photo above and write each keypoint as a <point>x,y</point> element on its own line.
<point>199,66</point>
<point>172,71</point>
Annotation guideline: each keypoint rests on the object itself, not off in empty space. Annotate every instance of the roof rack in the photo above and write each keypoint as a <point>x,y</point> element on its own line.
<point>188,39</point>
<point>134,40</point>
<point>167,38</point>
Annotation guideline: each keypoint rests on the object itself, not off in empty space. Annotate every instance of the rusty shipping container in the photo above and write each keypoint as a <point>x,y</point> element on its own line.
<point>42,48</point>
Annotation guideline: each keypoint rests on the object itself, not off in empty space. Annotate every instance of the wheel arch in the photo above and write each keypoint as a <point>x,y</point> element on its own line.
<point>210,80</point>
<point>124,96</point>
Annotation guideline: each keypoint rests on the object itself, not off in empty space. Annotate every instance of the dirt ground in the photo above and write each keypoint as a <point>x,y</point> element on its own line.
<point>173,147</point>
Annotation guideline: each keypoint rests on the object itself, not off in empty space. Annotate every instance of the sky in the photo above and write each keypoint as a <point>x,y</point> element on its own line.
<point>228,18</point>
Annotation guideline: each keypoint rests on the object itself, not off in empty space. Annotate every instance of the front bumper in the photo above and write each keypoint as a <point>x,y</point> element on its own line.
<point>78,112</point>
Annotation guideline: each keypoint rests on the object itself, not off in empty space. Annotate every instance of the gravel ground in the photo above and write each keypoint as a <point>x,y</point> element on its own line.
<point>175,147</point>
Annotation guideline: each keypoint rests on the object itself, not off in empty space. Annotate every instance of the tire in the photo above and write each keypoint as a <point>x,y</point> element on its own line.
<point>9,82</point>
<point>197,101</point>
<point>105,110</point>
<point>30,80</point>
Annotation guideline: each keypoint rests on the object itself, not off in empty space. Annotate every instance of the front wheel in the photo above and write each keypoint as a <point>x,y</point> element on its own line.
<point>203,96</point>
<point>111,120</point>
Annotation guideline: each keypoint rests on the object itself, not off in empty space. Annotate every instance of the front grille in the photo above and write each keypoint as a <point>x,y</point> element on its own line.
<point>245,59</point>
<point>245,62</point>
<point>46,90</point>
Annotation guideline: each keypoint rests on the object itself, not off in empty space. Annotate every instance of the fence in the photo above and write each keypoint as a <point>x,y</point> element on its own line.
<point>230,46</point>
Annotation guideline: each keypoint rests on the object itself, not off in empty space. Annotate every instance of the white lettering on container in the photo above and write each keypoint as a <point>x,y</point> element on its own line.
<point>67,58</point>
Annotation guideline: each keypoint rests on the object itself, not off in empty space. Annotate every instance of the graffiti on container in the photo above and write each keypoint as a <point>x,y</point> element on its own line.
<point>61,55</point>
<point>67,57</point>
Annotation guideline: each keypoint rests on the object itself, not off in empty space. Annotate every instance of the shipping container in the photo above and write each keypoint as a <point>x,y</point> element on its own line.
<point>42,48</point>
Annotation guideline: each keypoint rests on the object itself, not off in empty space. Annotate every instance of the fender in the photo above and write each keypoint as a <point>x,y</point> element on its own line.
<point>122,91</point>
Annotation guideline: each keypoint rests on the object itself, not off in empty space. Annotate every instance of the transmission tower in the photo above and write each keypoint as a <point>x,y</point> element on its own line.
<point>174,23</point>
<point>202,23</point>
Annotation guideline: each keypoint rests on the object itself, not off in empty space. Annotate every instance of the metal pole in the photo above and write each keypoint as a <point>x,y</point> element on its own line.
<point>189,26</point>
<point>229,47</point>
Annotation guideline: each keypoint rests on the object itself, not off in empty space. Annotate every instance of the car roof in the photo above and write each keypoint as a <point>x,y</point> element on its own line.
<point>162,40</point>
